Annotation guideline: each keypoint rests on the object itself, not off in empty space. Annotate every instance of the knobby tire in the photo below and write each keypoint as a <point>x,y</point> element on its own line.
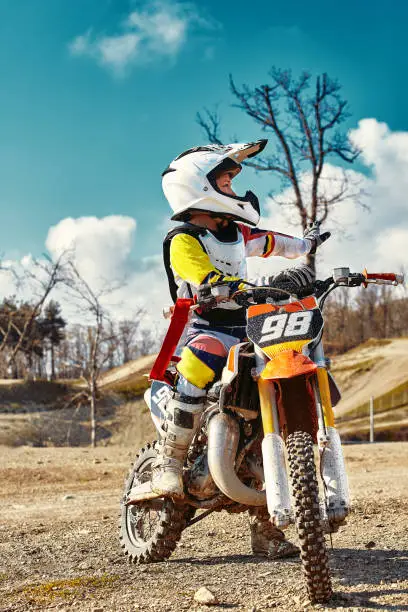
<point>171,519</point>
<point>315,562</point>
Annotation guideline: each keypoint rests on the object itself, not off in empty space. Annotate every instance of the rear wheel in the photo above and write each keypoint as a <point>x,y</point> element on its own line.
<point>149,531</point>
<point>314,556</point>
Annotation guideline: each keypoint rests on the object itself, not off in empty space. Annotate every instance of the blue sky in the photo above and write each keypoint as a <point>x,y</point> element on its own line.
<point>80,138</point>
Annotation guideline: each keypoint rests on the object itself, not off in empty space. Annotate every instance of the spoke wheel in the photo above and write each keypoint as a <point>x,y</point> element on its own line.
<point>149,531</point>
<point>314,556</point>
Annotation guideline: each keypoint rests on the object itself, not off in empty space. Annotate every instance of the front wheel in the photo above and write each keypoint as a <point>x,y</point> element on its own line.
<point>149,531</point>
<point>314,556</point>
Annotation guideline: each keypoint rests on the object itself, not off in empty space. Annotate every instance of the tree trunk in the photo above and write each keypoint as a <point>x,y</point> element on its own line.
<point>39,368</point>
<point>14,369</point>
<point>52,362</point>
<point>29,373</point>
<point>93,414</point>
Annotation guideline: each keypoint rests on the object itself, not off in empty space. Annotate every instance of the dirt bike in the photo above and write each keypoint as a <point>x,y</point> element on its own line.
<point>276,391</point>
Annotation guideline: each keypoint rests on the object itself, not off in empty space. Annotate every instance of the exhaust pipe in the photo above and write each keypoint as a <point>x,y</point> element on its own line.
<point>223,439</point>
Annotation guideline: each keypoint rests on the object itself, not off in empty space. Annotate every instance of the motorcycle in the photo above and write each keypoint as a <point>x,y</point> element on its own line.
<point>275,398</point>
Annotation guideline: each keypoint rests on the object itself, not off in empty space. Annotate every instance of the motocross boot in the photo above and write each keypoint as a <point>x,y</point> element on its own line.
<point>182,422</point>
<point>266,539</point>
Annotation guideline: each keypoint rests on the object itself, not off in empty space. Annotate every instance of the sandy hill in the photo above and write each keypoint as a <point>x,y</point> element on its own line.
<point>371,369</point>
<point>129,371</point>
<point>44,413</point>
<point>377,368</point>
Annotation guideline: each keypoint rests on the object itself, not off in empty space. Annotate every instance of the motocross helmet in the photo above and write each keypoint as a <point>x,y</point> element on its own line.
<point>189,183</point>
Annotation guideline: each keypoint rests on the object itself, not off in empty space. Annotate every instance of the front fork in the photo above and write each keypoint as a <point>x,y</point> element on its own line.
<point>273,457</point>
<point>331,457</point>
<point>332,468</point>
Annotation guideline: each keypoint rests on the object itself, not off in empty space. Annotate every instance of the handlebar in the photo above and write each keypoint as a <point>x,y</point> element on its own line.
<point>342,277</point>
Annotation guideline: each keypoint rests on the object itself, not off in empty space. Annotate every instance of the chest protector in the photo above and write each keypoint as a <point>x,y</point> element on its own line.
<point>227,257</point>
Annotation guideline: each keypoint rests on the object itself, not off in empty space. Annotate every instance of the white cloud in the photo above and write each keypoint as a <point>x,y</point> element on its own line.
<point>117,51</point>
<point>376,239</point>
<point>158,31</point>
<point>386,152</point>
<point>103,254</point>
<point>80,44</point>
<point>102,250</point>
<point>101,246</point>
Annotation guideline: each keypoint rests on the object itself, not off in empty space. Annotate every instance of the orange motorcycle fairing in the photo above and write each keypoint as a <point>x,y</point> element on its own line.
<point>231,368</point>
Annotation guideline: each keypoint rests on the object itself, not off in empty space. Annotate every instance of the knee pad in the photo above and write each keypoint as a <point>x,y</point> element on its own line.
<point>202,360</point>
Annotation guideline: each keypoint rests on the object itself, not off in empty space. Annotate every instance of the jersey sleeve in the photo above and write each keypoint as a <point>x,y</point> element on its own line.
<point>264,243</point>
<point>191,263</point>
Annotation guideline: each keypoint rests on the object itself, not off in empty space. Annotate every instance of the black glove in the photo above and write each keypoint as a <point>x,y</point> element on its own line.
<point>205,298</point>
<point>313,234</point>
<point>294,280</point>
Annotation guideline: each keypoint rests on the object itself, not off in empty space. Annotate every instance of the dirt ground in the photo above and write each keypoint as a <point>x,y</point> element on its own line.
<point>59,541</point>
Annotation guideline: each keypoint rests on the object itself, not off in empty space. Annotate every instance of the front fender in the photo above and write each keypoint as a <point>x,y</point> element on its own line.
<point>288,364</point>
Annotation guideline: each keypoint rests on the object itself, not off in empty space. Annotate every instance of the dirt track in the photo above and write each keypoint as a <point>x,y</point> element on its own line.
<point>357,386</point>
<point>59,546</point>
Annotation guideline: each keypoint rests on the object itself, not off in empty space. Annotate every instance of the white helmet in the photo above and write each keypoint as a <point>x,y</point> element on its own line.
<point>189,182</point>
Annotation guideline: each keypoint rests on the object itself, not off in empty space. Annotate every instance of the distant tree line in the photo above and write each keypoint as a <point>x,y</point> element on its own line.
<point>47,347</point>
<point>374,312</point>
<point>50,348</point>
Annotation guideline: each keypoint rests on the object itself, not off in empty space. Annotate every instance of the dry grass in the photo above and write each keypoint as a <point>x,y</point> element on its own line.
<point>14,396</point>
<point>49,592</point>
<point>371,343</point>
<point>129,388</point>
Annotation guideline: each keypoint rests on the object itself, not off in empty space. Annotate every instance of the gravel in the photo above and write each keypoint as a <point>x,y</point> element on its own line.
<point>64,555</point>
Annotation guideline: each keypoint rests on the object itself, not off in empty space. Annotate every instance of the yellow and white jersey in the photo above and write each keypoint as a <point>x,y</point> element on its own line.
<point>194,256</point>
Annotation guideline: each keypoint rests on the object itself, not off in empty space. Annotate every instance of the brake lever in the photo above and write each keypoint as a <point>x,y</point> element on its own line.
<point>320,287</point>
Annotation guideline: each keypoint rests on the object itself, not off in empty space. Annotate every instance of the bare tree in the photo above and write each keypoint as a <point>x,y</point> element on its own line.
<point>128,330</point>
<point>373,314</point>
<point>41,278</point>
<point>303,117</point>
<point>99,339</point>
<point>149,341</point>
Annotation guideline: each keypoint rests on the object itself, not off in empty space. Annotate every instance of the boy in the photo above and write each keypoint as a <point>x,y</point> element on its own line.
<point>218,233</point>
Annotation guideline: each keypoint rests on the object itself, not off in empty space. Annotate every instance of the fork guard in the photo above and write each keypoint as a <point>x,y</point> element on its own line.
<point>276,480</point>
<point>334,475</point>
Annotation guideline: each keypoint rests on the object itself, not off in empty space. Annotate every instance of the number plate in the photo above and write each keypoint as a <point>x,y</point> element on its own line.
<point>160,394</point>
<point>274,327</point>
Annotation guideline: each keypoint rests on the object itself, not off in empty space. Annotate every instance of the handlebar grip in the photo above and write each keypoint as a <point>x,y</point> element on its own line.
<point>387,276</point>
